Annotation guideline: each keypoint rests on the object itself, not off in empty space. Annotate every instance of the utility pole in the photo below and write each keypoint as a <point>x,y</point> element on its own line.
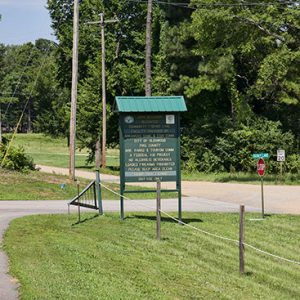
<point>0,124</point>
<point>72,146</point>
<point>148,49</point>
<point>103,159</point>
<point>103,72</point>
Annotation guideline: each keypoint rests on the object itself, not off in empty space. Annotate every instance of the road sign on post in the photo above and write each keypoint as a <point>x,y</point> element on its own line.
<point>280,155</point>
<point>261,167</point>
<point>260,155</point>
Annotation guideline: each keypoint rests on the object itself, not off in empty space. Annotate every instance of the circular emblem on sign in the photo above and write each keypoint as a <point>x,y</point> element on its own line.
<point>129,119</point>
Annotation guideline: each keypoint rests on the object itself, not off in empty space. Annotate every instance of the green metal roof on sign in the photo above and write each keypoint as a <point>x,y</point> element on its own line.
<point>151,104</point>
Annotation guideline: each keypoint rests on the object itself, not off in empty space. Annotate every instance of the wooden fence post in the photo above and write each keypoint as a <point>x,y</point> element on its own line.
<point>158,206</point>
<point>241,240</point>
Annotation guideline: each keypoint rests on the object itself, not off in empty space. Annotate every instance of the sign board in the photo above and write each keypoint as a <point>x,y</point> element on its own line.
<point>150,146</point>
<point>150,142</point>
<point>280,155</point>
<point>261,167</point>
<point>260,155</point>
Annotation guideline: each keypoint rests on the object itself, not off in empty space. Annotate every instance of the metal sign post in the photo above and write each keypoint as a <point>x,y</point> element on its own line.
<point>261,172</point>
<point>99,194</point>
<point>281,159</point>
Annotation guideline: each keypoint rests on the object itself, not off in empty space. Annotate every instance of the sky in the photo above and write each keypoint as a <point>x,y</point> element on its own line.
<point>24,21</point>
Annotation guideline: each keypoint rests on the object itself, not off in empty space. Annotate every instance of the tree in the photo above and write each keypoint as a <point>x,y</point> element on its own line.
<point>28,82</point>
<point>248,53</point>
<point>124,60</point>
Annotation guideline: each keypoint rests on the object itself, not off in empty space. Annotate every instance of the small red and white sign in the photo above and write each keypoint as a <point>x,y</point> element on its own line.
<point>261,167</point>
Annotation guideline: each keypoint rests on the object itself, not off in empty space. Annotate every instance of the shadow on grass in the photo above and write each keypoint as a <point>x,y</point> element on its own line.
<point>86,219</point>
<point>164,219</point>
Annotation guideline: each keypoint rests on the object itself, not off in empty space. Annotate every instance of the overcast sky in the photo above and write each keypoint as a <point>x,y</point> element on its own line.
<point>24,21</point>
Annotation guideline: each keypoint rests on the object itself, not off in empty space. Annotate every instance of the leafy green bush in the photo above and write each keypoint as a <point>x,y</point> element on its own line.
<point>16,159</point>
<point>192,151</point>
<point>232,151</point>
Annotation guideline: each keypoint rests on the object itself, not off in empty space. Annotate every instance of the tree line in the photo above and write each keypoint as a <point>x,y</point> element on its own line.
<point>237,63</point>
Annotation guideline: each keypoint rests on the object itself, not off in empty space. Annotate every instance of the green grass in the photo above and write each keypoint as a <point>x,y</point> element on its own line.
<point>105,258</point>
<point>54,152</point>
<point>36,185</point>
<point>242,177</point>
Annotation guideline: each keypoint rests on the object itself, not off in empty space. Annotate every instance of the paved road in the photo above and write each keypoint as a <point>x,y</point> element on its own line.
<point>284,199</point>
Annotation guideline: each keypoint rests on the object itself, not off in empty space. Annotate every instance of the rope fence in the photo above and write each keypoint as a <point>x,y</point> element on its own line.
<point>204,231</point>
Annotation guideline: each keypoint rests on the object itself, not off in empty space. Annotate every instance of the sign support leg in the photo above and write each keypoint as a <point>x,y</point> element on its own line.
<point>99,195</point>
<point>262,198</point>
<point>78,202</point>
<point>179,203</point>
<point>122,203</point>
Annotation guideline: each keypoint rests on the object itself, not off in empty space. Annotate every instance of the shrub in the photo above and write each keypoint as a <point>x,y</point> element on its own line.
<point>235,147</point>
<point>16,159</point>
<point>232,151</point>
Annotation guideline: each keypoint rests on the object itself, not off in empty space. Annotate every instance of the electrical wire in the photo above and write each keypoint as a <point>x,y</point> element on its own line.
<point>217,4</point>
<point>19,82</point>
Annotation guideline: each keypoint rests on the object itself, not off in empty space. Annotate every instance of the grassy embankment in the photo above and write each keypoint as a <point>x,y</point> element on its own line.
<point>105,258</point>
<point>36,185</point>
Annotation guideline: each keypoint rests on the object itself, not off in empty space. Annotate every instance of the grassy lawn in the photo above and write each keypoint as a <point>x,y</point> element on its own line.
<point>105,258</point>
<point>241,177</point>
<point>54,152</point>
<point>36,185</point>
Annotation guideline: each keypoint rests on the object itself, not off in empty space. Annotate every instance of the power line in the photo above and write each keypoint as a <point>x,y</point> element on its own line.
<point>218,4</point>
<point>19,82</point>
<point>25,106</point>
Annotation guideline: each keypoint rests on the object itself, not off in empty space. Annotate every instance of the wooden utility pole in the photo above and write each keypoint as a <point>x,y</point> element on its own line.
<point>103,159</point>
<point>0,124</point>
<point>104,118</point>
<point>72,146</point>
<point>148,49</point>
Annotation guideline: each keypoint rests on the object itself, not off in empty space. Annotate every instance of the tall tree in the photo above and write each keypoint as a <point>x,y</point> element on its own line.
<point>124,60</point>
<point>247,54</point>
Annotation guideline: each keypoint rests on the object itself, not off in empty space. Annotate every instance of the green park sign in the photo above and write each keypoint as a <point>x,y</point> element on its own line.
<point>150,147</point>
<point>149,141</point>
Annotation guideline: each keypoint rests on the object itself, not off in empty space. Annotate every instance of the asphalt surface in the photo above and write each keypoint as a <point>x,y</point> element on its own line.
<point>283,199</point>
